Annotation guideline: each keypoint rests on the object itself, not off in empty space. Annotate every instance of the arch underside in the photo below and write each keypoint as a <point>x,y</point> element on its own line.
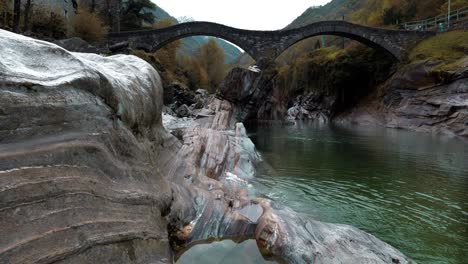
<point>169,40</point>
<point>363,40</point>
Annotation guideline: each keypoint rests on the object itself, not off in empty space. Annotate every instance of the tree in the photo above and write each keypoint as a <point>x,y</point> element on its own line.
<point>168,54</point>
<point>16,15</point>
<point>135,15</point>
<point>211,58</point>
<point>5,14</point>
<point>392,15</point>
<point>27,14</point>
<point>88,26</point>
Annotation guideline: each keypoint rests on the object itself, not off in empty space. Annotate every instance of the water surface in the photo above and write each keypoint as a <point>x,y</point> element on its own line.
<point>409,189</point>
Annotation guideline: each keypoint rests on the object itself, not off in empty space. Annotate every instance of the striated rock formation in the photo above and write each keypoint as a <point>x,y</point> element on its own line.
<point>211,201</point>
<point>78,140</point>
<point>419,97</point>
<point>89,174</point>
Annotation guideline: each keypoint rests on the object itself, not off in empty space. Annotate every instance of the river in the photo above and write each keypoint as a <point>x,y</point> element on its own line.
<point>409,189</point>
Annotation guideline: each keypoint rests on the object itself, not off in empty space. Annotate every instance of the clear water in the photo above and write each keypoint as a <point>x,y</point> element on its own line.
<point>223,252</point>
<point>408,189</point>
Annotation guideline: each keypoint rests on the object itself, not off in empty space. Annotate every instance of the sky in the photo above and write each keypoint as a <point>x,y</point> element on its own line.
<point>245,14</point>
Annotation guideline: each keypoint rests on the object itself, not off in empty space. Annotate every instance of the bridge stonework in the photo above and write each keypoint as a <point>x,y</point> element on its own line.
<point>266,46</point>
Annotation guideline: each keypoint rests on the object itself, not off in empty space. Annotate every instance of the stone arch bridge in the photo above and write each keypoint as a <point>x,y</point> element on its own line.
<point>265,46</point>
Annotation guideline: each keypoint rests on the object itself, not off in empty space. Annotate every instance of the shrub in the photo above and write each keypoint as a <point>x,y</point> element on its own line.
<point>48,22</point>
<point>448,46</point>
<point>88,26</point>
<point>5,14</point>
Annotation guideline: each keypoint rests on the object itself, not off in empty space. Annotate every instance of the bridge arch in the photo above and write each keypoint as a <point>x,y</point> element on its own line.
<point>153,40</point>
<point>386,41</point>
<point>265,46</point>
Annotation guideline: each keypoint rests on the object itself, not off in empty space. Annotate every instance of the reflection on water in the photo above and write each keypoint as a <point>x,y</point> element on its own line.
<point>224,252</point>
<point>409,189</point>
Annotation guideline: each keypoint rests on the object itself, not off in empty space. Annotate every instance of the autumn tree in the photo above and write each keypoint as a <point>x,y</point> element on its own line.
<point>197,75</point>
<point>87,25</point>
<point>167,55</point>
<point>211,58</point>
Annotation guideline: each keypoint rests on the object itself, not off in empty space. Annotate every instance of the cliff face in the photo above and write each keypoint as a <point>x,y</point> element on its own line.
<point>419,97</point>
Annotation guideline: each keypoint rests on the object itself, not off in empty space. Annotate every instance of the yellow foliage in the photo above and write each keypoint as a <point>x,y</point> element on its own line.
<point>167,55</point>
<point>197,75</point>
<point>456,4</point>
<point>449,46</point>
<point>211,59</point>
<point>88,26</point>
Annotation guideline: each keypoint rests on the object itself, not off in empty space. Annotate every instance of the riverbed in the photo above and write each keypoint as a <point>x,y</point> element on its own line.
<point>409,189</point>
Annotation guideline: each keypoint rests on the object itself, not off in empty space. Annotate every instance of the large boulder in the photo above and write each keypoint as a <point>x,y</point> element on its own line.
<point>76,45</point>
<point>78,140</point>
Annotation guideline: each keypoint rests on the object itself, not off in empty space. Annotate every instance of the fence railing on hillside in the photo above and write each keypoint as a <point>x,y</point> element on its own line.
<point>438,23</point>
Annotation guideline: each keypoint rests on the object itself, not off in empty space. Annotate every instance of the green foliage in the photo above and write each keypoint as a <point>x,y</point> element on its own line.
<point>449,46</point>
<point>135,14</point>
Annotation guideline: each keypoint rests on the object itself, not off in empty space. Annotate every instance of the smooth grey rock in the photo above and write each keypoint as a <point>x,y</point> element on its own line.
<point>79,135</point>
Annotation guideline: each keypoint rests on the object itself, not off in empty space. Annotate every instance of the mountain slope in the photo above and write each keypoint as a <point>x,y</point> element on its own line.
<point>190,45</point>
<point>374,12</point>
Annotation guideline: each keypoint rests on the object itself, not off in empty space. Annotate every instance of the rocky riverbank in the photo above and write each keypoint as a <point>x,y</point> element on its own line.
<point>420,96</point>
<point>426,96</point>
<point>91,172</point>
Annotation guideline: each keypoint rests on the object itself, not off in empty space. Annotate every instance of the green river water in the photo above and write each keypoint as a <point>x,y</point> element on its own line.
<point>409,189</point>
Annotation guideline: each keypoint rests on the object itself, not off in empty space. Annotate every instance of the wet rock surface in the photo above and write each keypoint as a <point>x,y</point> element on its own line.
<point>89,174</point>
<point>312,106</point>
<point>214,161</point>
<point>418,98</point>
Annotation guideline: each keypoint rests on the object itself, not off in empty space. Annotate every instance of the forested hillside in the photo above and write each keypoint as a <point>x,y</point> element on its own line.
<point>376,12</point>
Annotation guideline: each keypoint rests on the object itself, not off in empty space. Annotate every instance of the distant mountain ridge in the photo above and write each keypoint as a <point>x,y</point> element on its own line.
<point>190,45</point>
